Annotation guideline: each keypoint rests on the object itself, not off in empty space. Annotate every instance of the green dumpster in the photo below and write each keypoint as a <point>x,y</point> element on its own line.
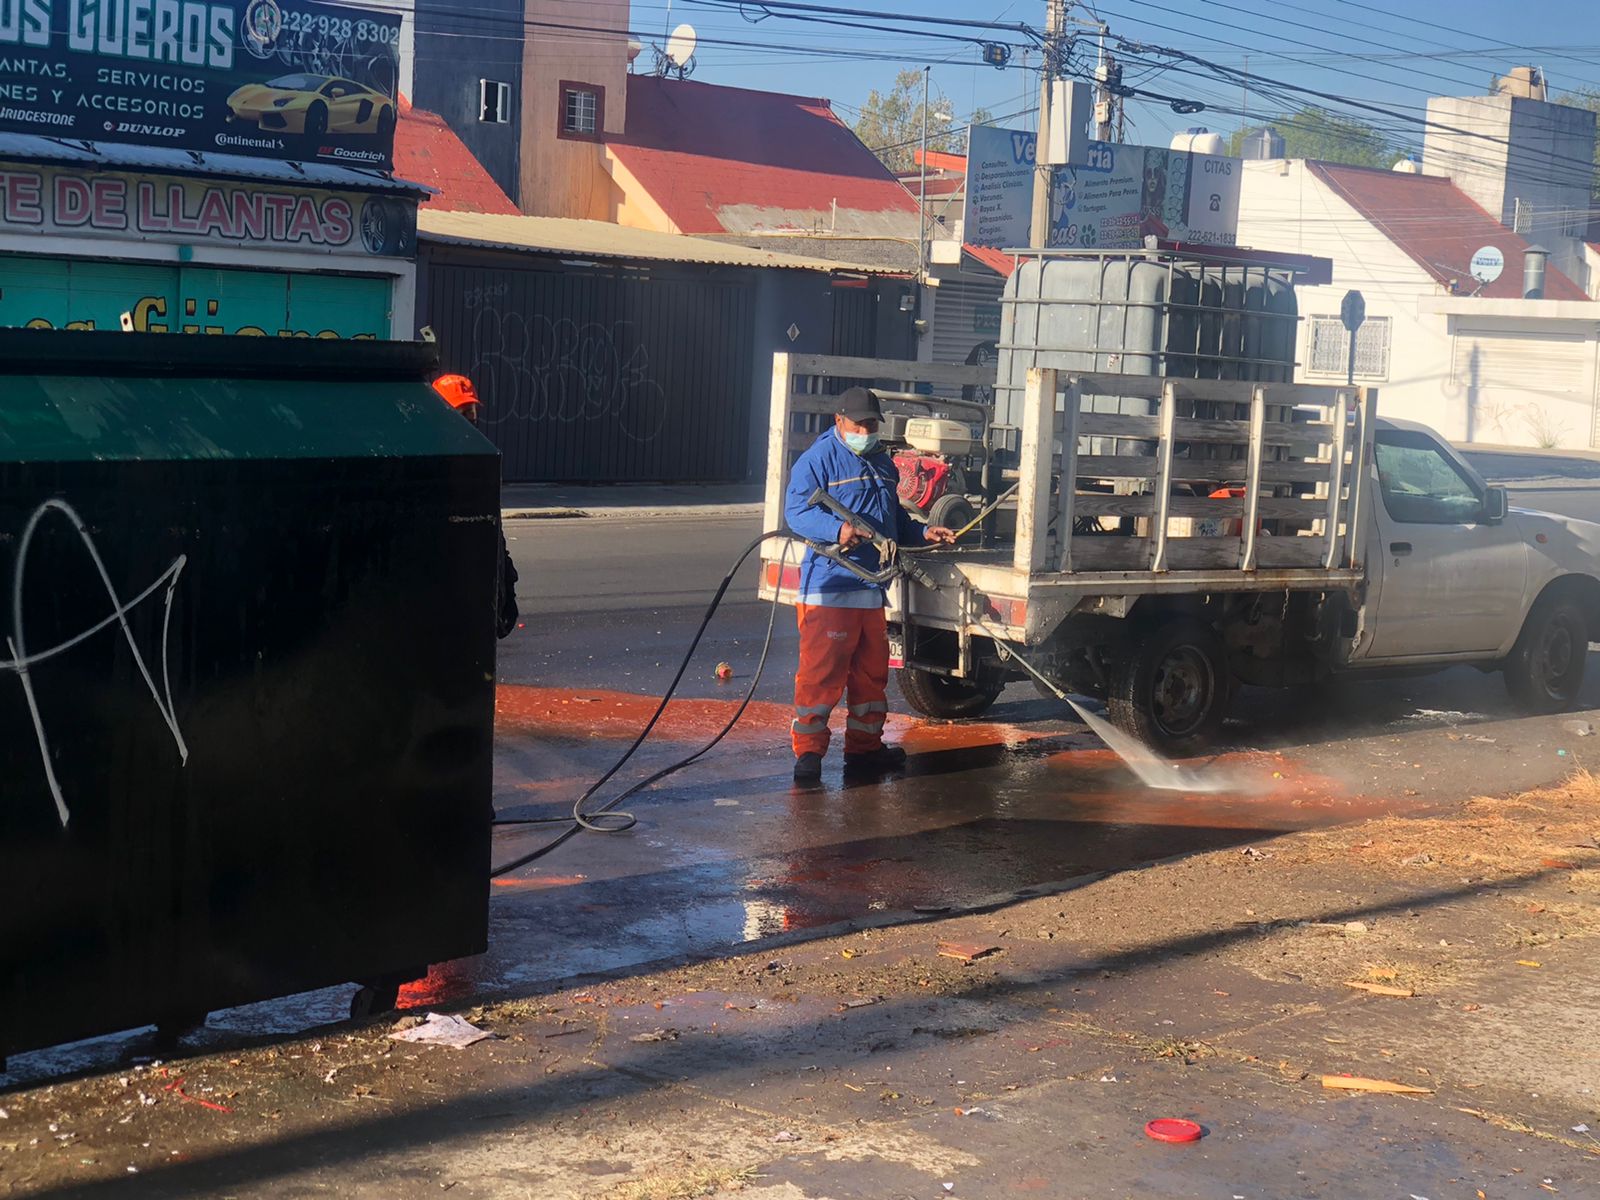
<point>247,647</point>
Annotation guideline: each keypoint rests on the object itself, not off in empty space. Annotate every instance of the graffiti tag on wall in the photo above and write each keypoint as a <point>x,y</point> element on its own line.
<point>542,369</point>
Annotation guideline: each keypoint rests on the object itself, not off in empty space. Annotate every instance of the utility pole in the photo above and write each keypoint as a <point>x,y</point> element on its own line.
<point>922,189</point>
<point>1055,28</point>
<point>1107,104</point>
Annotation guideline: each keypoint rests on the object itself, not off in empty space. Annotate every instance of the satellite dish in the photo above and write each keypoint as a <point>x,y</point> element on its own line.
<point>1487,263</point>
<point>680,46</point>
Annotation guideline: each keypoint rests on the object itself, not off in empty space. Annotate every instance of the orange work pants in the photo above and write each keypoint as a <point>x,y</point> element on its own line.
<point>843,652</point>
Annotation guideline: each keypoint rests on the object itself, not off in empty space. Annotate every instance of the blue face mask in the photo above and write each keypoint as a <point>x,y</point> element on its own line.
<point>861,443</point>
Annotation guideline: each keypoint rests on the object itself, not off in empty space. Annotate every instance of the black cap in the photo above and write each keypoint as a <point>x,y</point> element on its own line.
<point>859,404</point>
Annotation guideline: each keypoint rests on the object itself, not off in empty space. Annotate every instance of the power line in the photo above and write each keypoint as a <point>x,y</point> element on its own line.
<point>1433,24</point>
<point>1282,88</point>
<point>1265,51</point>
<point>1262,84</point>
<point>786,7</point>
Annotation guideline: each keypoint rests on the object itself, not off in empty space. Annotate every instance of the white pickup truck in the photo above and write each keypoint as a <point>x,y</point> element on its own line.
<point>1257,533</point>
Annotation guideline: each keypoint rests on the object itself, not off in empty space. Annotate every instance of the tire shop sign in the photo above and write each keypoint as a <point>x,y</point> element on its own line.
<point>60,202</point>
<point>285,79</point>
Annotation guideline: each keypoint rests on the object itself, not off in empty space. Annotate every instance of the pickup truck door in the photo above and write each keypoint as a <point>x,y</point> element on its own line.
<point>1448,581</point>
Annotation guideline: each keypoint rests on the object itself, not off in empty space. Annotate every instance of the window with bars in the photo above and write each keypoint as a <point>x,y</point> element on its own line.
<point>494,101</point>
<point>583,111</point>
<point>1329,351</point>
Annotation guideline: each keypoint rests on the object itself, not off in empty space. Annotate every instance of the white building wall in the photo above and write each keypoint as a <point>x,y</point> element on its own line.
<point>1283,207</point>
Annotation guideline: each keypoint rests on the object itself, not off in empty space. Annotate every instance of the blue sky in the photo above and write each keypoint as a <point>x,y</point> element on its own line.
<point>1390,52</point>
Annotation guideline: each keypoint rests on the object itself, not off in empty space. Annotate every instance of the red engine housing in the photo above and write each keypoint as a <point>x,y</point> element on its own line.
<point>923,479</point>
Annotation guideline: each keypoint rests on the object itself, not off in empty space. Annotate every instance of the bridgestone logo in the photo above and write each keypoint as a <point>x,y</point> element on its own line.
<point>41,118</point>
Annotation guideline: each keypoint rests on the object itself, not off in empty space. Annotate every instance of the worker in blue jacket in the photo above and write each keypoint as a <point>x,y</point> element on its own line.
<point>844,638</point>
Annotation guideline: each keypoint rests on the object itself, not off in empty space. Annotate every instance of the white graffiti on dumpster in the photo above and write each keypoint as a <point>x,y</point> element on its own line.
<point>22,661</point>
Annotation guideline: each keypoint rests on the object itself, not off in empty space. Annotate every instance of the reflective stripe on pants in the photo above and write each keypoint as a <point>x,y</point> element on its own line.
<point>844,652</point>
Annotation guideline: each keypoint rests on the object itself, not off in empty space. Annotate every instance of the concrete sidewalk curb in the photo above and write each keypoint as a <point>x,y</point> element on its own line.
<point>616,512</point>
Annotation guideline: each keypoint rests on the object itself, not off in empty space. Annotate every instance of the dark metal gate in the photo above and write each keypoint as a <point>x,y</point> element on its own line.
<point>598,375</point>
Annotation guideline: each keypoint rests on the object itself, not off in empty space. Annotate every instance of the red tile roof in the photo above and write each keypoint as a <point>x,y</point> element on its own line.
<point>1439,226</point>
<point>427,151</point>
<point>997,261</point>
<point>701,150</point>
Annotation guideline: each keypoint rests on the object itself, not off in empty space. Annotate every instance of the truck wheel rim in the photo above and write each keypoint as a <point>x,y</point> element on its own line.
<point>1555,656</point>
<point>1184,688</point>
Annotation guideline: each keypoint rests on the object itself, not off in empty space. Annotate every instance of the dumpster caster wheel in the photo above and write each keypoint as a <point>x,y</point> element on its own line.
<point>170,1032</point>
<point>371,999</point>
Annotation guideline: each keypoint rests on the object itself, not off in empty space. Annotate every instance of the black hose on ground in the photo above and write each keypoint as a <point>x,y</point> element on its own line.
<point>605,819</point>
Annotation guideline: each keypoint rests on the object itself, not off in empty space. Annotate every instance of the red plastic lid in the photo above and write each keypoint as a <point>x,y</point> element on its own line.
<point>1173,1129</point>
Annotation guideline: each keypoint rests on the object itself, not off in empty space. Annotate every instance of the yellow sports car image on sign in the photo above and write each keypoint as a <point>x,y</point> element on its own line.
<point>313,105</point>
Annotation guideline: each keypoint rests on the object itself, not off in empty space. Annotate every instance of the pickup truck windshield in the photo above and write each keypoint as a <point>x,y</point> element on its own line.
<point>1420,485</point>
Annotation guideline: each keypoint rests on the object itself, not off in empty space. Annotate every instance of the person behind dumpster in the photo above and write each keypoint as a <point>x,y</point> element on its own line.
<point>459,393</point>
<point>844,638</point>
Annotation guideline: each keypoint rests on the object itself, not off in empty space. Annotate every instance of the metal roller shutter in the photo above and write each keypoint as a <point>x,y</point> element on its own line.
<point>966,314</point>
<point>1549,363</point>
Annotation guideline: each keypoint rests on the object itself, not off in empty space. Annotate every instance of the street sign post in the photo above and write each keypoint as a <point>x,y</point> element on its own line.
<point>1352,312</point>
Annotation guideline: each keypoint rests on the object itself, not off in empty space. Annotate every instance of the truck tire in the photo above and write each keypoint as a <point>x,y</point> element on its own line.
<point>1172,688</point>
<point>1544,671</point>
<point>946,698</point>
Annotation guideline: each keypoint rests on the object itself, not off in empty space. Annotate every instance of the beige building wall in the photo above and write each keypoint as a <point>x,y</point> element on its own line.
<point>633,206</point>
<point>562,177</point>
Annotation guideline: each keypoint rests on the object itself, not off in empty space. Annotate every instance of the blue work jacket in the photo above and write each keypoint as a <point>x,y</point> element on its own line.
<point>864,483</point>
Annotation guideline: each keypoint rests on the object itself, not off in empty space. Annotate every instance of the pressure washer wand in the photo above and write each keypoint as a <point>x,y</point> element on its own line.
<point>888,549</point>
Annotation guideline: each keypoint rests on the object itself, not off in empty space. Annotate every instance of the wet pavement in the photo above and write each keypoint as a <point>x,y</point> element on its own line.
<point>729,852</point>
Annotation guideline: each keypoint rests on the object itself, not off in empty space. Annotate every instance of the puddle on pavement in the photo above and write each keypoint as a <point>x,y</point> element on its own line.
<point>984,810</point>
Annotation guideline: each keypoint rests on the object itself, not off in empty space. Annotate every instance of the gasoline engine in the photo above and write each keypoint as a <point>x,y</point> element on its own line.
<point>941,464</point>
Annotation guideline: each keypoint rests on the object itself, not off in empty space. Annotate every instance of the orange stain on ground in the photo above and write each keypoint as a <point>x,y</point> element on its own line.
<point>599,713</point>
<point>1254,790</point>
<point>537,882</point>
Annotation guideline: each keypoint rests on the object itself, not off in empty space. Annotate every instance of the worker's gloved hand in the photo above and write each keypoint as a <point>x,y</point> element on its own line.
<point>849,535</point>
<point>940,534</point>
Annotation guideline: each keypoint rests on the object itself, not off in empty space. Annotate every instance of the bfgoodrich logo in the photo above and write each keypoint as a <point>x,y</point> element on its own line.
<point>353,155</point>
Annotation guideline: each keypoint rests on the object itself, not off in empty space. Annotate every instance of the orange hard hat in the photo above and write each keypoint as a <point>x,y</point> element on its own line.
<point>457,390</point>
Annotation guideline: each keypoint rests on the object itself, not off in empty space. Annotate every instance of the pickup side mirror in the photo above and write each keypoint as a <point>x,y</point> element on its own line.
<point>1495,505</point>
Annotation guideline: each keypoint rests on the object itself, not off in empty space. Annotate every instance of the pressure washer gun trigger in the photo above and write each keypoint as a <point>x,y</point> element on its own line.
<point>894,562</point>
<point>821,499</point>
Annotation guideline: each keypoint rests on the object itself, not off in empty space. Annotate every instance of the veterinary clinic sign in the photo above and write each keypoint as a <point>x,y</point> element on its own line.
<point>64,203</point>
<point>998,210</point>
<point>1122,194</point>
<point>288,79</point>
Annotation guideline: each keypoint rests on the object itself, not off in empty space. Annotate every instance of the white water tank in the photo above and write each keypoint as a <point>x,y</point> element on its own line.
<point>1199,140</point>
<point>1408,166</point>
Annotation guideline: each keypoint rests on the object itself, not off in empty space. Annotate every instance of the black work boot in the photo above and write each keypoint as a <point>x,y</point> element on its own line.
<point>875,762</point>
<point>808,768</point>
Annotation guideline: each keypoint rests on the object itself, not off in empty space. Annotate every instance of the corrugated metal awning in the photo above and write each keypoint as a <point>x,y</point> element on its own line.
<point>601,239</point>
<point>73,153</point>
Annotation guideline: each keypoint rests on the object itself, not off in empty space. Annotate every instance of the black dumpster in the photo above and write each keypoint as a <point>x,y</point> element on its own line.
<point>246,675</point>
